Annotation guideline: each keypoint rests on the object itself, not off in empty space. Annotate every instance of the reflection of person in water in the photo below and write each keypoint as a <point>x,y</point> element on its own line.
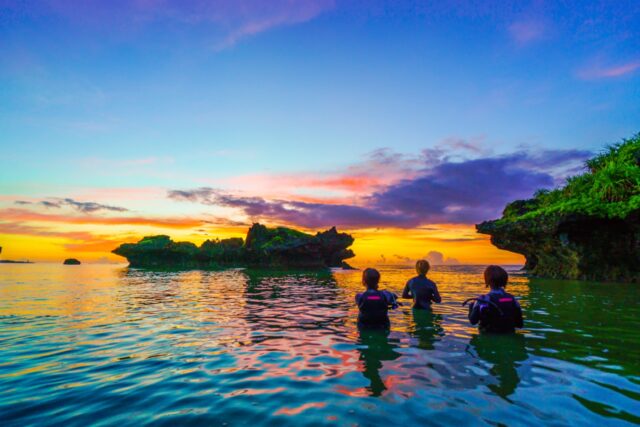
<point>427,328</point>
<point>503,352</point>
<point>378,348</point>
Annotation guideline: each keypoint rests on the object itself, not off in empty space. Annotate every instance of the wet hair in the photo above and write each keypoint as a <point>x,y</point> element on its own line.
<point>495,277</point>
<point>371,278</point>
<point>422,266</point>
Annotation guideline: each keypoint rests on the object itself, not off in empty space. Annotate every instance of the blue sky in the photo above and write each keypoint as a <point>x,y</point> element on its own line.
<point>189,94</point>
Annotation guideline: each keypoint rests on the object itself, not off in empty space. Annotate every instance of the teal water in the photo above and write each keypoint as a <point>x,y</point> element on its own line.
<point>106,345</point>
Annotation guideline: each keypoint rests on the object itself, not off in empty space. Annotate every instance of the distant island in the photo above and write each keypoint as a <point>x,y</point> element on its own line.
<point>589,229</point>
<point>263,247</point>
<point>71,261</point>
<point>8,261</point>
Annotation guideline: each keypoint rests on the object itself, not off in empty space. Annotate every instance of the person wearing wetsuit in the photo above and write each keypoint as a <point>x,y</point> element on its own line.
<point>422,290</point>
<point>497,311</point>
<point>373,303</point>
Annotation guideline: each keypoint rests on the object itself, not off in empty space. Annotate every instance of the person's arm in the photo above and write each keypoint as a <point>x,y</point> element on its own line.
<point>518,322</point>
<point>436,295</point>
<point>407,294</point>
<point>358,299</point>
<point>392,299</point>
<point>474,313</point>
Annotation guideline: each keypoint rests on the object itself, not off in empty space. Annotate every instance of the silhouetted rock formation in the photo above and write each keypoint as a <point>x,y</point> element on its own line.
<point>71,261</point>
<point>589,229</point>
<point>266,247</point>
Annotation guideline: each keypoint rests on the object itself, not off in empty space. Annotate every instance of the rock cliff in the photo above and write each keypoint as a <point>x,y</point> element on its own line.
<point>589,229</point>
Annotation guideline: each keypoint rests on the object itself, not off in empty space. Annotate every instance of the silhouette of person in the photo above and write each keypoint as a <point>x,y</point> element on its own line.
<point>503,352</point>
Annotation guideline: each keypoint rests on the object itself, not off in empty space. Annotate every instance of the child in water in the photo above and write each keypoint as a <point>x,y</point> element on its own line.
<point>422,290</point>
<point>374,304</point>
<point>497,311</point>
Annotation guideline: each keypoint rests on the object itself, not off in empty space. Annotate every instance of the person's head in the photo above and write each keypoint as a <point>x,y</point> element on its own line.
<point>495,277</point>
<point>422,267</point>
<point>371,278</point>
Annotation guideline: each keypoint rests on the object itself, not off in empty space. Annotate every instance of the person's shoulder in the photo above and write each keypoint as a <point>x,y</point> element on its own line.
<point>431,282</point>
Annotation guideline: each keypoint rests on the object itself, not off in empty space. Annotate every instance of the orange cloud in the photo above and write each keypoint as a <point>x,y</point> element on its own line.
<point>26,215</point>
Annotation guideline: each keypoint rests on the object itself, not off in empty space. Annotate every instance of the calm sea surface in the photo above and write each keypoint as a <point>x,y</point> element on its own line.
<point>108,345</point>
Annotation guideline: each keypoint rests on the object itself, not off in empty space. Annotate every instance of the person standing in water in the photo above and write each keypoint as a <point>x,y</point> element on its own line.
<point>497,311</point>
<point>421,289</point>
<point>374,304</point>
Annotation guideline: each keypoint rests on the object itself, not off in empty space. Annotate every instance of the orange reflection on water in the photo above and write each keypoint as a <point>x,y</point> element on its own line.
<point>299,409</point>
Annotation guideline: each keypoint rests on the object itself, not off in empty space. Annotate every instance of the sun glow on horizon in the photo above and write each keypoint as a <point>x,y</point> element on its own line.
<point>399,246</point>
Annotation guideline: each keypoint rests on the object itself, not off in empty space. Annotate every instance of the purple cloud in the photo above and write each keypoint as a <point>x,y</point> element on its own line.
<point>84,207</point>
<point>466,191</point>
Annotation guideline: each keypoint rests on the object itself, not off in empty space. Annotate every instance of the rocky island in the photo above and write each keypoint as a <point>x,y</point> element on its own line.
<point>263,247</point>
<point>588,230</point>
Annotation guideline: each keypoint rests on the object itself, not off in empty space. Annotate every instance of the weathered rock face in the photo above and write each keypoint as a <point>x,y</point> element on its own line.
<point>573,247</point>
<point>588,230</point>
<point>267,247</point>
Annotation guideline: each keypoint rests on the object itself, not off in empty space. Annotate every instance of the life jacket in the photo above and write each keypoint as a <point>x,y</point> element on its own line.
<point>497,312</point>
<point>374,306</point>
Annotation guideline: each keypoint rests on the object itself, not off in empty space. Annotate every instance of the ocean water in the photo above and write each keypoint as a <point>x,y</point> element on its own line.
<point>108,345</point>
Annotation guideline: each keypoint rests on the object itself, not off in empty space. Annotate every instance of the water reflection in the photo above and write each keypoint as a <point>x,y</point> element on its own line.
<point>503,353</point>
<point>426,328</point>
<point>248,346</point>
<point>375,347</point>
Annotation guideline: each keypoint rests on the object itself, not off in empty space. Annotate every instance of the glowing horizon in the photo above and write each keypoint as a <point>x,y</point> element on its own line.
<point>404,123</point>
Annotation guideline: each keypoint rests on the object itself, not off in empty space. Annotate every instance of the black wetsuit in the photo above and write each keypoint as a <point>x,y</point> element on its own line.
<point>423,291</point>
<point>497,312</point>
<point>374,307</point>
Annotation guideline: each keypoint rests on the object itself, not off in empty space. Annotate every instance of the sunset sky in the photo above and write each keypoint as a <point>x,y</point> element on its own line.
<point>403,122</point>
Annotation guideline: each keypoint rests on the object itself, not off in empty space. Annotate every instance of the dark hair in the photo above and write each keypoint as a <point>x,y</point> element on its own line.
<point>371,277</point>
<point>422,266</point>
<point>495,277</point>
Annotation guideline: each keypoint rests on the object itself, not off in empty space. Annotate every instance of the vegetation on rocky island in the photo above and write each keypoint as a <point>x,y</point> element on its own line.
<point>589,229</point>
<point>263,247</point>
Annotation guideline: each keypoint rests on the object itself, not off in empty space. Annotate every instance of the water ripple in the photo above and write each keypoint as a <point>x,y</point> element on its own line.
<point>110,345</point>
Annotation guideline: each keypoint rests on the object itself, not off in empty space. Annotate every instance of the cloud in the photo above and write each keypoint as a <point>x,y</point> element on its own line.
<point>526,31</point>
<point>18,228</point>
<point>20,215</point>
<point>599,71</point>
<point>377,169</point>
<point>82,241</point>
<point>84,207</point>
<point>223,22</point>
<point>438,258</point>
<point>465,191</point>
<point>90,207</point>
<point>49,204</point>
<point>259,16</point>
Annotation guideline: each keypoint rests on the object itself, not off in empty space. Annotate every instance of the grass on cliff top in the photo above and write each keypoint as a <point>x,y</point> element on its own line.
<point>610,188</point>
